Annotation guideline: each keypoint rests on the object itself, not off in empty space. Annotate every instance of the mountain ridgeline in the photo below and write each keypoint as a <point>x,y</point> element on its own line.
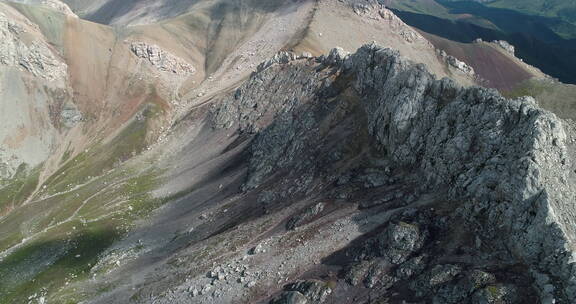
<point>219,151</point>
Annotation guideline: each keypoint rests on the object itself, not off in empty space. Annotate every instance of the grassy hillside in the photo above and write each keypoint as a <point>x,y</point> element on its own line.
<point>558,15</point>
<point>551,95</point>
<point>61,232</point>
<point>565,9</point>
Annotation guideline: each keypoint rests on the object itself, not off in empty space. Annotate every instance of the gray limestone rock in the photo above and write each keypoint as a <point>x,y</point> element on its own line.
<point>462,290</point>
<point>505,161</point>
<point>304,216</point>
<point>411,267</point>
<point>36,57</point>
<point>371,273</point>
<point>429,282</point>
<point>336,56</point>
<point>280,58</point>
<point>70,115</point>
<point>495,294</point>
<point>398,241</point>
<point>290,297</point>
<point>315,291</point>
<point>506,46</point>
<point>161,59</point>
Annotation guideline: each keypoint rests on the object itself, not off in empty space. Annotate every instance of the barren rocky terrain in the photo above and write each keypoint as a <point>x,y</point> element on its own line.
<point>249,151</point>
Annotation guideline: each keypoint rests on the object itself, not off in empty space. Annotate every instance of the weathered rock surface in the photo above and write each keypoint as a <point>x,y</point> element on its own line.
<point>290,297</point>
<point>36,57</point>
<point>300,131</point>
<point>161,59</point>
<point>306,215</point>
<point>315,291</point>
<point>504,163</point>
<point>70,115</point>
<point>281,57</point>
<point>506,46</point>
<point>456,63</point>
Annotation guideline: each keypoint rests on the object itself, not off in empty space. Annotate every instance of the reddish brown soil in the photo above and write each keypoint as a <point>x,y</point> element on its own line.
<point>499,70</point>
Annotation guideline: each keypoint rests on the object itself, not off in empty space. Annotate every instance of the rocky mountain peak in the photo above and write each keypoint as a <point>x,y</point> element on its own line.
<point>165,159</point>
<point>505,162</point>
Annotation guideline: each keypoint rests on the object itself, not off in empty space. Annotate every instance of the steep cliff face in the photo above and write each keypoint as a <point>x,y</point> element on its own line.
<point>508,158</point>
<point>504,163</point>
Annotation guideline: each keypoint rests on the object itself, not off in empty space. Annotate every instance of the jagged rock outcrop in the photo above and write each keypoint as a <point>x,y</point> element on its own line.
<point>310,291</point>
<point>504,162</point>
<point>290,297</point>
<point>455,63</point>
<point>508,157</point>
<point>70,115</point>
<point>376,10</point>
<point>281,57</point>
<point>36,57</point>
<point>506,46</point>
<point>161,59</point>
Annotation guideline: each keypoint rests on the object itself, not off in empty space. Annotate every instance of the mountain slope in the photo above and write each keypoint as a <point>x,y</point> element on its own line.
<point>227,154</point>
<point>105,96</point>
<point>372,171</point>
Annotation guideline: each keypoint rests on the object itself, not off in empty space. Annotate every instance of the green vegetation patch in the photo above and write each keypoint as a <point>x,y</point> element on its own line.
<point>46,265</point>
<point>16,190</point>
<point>75,216</point>
<point>527,88</point>
<point>553,96</point>
<point>64,253</point>
<point>104,157</point>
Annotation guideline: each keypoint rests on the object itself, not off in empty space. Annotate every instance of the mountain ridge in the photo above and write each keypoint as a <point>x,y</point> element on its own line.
<point>239,157</point>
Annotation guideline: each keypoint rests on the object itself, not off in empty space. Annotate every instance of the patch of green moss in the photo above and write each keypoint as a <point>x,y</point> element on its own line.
<point>81,224</point>
<point>494,291</point>
<point>50,22</point>
<point>331,284</point>
<point>407,225</point>
<point>553,96</point>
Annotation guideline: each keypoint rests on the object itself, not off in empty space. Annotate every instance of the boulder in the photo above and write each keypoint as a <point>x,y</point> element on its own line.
<point>398,241</point>
<point>304,216</point>
<point>315,291</point>
<point>290,297</point>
